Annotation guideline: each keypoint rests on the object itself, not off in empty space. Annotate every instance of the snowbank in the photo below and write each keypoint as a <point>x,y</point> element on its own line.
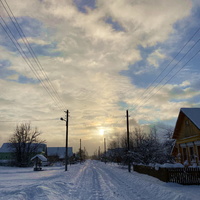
<point>90,180</point>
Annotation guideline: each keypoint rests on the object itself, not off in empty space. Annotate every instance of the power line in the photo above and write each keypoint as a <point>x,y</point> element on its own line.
<point>40,120</point>
<point>26,59</point>
<point>54,95</point>
<point>156,86</point>
<point>172,77</point>
<point>38,76</point>
<point>23,36</point>
<point>171,60</point>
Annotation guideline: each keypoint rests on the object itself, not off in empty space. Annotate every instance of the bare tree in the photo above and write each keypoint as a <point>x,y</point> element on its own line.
<point>144,147</point>
<point>25,143</point>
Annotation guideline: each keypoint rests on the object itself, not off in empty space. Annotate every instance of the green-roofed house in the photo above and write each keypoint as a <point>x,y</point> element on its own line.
<point>7,152</point>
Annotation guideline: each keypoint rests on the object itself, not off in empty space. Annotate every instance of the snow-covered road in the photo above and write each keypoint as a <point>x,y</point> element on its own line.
<point>91,180</point>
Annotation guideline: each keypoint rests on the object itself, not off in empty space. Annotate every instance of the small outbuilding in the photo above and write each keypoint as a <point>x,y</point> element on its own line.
<point>38,159</point>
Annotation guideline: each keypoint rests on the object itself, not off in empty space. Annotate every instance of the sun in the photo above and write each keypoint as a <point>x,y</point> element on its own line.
<point>101,131</point>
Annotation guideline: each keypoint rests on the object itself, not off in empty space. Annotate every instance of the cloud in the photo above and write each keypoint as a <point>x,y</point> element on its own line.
<point>155,57</point>
<point>83,56</point>
<point>32,40</point>
<point>14,77</point>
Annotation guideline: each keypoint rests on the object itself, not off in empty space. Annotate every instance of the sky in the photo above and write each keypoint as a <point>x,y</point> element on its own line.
<point>97,59</point>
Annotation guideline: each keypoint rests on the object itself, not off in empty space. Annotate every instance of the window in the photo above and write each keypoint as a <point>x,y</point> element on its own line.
<point>186,122</point>
<point>184,154</point>
<point>191,153</point>
<point>198,149</point>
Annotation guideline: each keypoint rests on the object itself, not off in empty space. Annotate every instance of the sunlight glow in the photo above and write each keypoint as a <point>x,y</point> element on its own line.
<point>101,131</point>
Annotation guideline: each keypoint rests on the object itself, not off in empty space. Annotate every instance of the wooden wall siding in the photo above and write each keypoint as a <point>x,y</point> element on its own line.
<point>187,129</point>
<point>187,136</point>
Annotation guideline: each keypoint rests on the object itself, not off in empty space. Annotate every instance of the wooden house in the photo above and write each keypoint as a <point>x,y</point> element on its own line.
<point>187,136</point>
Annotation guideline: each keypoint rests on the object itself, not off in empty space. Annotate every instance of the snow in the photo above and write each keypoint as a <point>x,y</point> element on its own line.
<point>167,165</point>
<point>41,157</point>
<point>6,148</point>
<point>91,180</point>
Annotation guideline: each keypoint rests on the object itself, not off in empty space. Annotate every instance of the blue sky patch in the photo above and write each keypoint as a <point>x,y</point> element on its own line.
<point>195,100</point>
<point>82,4</point>
<point>31,28</point>
<point>40,50</point>
<point>24,80</point>
<point>142,121</point>
<point>115,25</point>
<point>141,73</point>
<point>4,71</point>
<point>46,50</point>
<point>123,105</point>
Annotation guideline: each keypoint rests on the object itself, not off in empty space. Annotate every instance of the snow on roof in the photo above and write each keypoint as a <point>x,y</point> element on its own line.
<point>58,151</point>
<point>41,157</point>
<point>6,147</point>
<point>193,114</point>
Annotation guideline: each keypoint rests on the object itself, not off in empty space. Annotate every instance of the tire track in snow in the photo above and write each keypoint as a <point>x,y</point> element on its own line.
<point>92,180</point>
<point>86,184</point>
<point>77,185</point>
<point>118,188</point>
<point>95,182</point>
<point>97,190</point>
<point>125,185</point>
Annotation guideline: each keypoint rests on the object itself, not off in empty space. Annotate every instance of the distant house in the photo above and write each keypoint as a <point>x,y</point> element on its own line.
<point>187,136</point>
<point>58,153</point>
<point>7,152</point>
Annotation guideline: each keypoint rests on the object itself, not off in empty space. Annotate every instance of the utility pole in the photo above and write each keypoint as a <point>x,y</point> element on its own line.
<point>105,149</point>
<point>128,146</point>
<point>80,152</point>
<point>66,146</point>
<point>99,153</point>
<point>84,154</point>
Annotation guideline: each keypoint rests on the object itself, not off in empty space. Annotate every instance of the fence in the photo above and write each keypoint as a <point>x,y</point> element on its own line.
<point>185,176</point>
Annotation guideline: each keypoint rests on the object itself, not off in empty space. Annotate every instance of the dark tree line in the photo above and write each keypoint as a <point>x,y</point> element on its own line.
<point>144,148</point>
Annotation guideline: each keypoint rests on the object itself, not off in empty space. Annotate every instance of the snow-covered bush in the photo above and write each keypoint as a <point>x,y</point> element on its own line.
<point>144,148</point>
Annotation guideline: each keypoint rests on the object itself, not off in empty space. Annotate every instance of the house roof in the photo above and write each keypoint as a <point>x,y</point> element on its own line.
<point>58,151</point>
<point>41,157</point>
<point>6,147</point>
<point>193,114</point>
